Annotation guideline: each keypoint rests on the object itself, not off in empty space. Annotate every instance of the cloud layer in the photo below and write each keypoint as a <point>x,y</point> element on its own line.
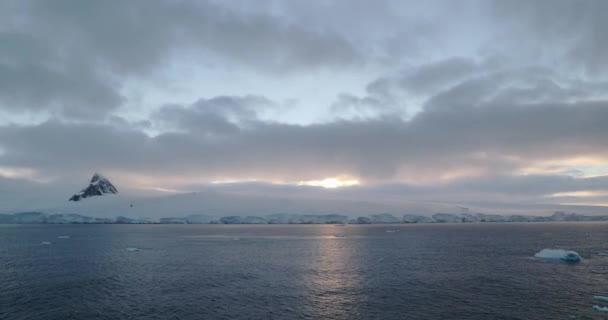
<point>431,101</point>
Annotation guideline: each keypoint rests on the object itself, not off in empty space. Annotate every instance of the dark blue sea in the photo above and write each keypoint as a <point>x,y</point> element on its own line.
<point>430,271</point>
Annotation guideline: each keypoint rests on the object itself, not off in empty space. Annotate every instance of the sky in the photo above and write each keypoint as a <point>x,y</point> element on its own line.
<point>438,101</point>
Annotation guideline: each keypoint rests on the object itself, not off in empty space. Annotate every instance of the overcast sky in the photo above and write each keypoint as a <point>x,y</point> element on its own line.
<point>458,101</point>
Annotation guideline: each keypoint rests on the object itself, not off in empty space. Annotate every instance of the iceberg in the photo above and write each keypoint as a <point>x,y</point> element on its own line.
<point>602,309</point>
<point>558,254</point>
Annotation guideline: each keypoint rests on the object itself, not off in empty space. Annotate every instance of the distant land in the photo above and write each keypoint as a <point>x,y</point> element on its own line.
<point>384,218</point>
<point>99,202</point>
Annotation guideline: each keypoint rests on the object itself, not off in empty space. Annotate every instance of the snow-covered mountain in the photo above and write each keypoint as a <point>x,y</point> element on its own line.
<point>261,200</point>
<point>99,186</point>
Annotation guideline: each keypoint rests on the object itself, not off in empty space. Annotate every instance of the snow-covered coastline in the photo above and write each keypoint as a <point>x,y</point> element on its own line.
<point>284,218</point>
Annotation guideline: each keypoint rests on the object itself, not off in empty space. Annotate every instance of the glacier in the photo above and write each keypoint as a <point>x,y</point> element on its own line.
<point>384,218</point>
<point>127,216</point>
<point>412,218</point>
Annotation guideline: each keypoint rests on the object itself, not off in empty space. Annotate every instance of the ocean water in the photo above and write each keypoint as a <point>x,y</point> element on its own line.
<point>438,271</point>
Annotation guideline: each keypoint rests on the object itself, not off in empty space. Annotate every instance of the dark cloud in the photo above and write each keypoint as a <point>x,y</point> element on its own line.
<point>569,33</point>
<point>67,56</point>
<point>348,106</point>
<point>488,138</point>
<point>386,95</point>
<point>438,75</point>
<point>33,77</point>
<point>464,82</point>
<point>219,115</point>
<point>135,36</point>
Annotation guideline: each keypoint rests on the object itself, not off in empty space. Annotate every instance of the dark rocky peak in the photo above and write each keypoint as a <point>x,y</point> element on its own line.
<point>99,186</point>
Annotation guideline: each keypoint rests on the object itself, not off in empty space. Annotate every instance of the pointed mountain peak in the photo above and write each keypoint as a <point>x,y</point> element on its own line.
<point>99,186</point>
<point>97,177</point>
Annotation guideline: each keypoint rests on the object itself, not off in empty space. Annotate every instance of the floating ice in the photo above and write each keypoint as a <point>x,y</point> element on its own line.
<point>391,230</point>
<point>601,298</point>
<point>45,243</point>
<point>63,237</point>
<point>132,249</point>
<point>602,309</point>
<point>236,238</point>
<point>604,254</point>
<point>560,254</point>
<point>340,235</point>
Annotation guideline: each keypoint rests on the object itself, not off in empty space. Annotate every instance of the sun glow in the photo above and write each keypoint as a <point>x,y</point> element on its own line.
<point>21,173</point>
<point>330,183</point>
<point>581,194</point>
<point>582,167</point>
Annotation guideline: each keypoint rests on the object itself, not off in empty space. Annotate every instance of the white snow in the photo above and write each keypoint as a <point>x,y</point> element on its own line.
<point>132,249</point>
<point>560,254</point>
<point>602,309</point>
<point>602,298</point>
